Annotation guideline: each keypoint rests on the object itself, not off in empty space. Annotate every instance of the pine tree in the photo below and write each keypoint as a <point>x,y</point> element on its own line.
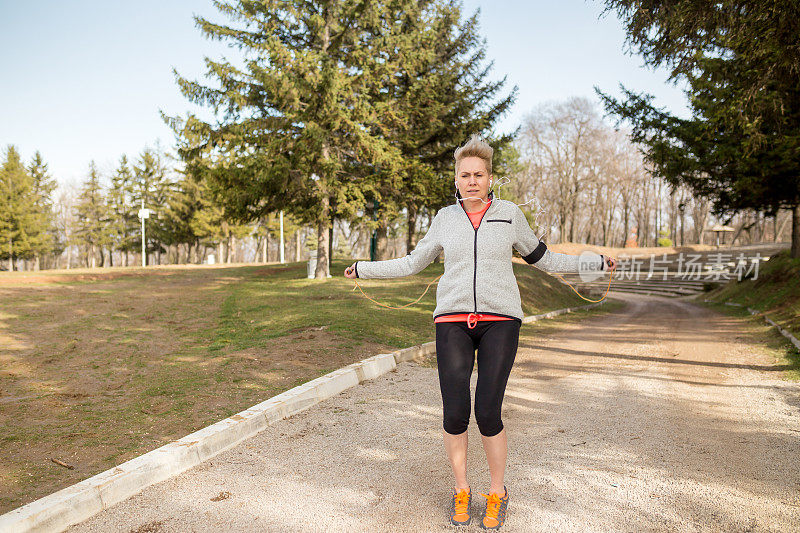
<point>6,224</point>
<point>207,217</point>
<point>46,236</point>
<point>122,225</point>
<point>298,117</point>
<point>151,184</point>
<point>442,94</point>
<point>741,61</point>
<point>183,201</point>
<point>19,228</point>
<point>92,217</point>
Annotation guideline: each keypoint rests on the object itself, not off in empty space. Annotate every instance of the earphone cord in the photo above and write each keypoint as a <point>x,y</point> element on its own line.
<point>587,299</point>
<point>432,282</point>
<point>437,278</point>
<point>393,307</point>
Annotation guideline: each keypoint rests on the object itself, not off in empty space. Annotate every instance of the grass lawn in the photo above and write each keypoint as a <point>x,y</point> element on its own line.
<point>100,366</point>
<point>775,292</point>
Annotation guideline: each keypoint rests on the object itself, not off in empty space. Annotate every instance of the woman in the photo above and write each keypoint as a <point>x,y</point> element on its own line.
<point>477,306</point>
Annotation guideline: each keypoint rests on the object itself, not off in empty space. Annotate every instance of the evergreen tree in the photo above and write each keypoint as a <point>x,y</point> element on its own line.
<point>761,36</point>
<point>151,184</point>
<point>6,225</point>
<point>442,93</point>
<point>19,224</point>
<point>183,201</point>
<point>45,237</point>
<point>207,217</point>
<point>741,61</point>
<point>123,226</point>
<point>196,217</point>
<point>92,218</point>
<point>298,117</point>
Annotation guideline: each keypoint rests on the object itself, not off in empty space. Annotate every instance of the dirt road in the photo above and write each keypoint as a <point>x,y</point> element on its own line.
<point>659,417</point>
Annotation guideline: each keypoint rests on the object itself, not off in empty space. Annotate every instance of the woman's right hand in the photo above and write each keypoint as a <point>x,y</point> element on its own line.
<point>350,272</point>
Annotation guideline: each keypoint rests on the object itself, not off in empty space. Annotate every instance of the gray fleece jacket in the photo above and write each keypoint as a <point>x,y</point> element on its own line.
<point>478,274</point>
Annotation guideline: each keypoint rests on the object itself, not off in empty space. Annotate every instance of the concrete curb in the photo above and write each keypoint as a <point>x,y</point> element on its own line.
<point>76,503</point>
<point>769,321</point>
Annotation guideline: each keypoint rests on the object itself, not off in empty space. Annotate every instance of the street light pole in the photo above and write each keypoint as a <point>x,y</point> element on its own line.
<point>141,214</point>
<point>282,261</point>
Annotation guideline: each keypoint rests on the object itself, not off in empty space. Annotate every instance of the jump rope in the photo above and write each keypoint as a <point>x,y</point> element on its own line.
<point>357,286</point>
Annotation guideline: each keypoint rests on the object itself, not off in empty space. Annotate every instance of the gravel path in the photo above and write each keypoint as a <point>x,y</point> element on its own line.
<point>659,417</point>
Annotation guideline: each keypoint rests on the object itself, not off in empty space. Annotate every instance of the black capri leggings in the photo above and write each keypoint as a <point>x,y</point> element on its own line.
<point>496,342</point>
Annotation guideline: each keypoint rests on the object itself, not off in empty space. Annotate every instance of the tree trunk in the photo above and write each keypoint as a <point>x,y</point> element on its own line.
<point>796,231</point>
<point>331,230</point>
<point>760,226</point>
<point>382,240</point>
<point>626,218</point>
<point>330,240</point>
<point>783,225</point>
<point>775,228</point>
<point>658,218</point>
<point>297,245</point>
<point>323,237</point>
<point>607,227</point>
<point>672,226</point>
<point>411,232</point>
<point>739,230</point>
<point>323,267</point>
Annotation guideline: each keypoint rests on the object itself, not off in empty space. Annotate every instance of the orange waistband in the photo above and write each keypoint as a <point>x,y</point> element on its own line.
<point>470,318</point>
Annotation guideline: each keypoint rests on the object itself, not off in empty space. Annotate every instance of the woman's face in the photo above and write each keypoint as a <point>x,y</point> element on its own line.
<point>472,178</point>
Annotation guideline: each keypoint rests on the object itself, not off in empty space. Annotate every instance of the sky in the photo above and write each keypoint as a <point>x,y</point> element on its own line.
<point>85,80</point>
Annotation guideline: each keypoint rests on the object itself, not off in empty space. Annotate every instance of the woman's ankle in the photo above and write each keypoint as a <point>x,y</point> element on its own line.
<point>501,491</point>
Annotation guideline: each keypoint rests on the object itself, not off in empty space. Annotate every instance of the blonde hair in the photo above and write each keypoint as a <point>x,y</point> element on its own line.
<point>475,147</point>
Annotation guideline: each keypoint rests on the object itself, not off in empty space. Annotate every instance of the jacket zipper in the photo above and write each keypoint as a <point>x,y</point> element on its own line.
<point>475,269</point>
<point>475,257</point>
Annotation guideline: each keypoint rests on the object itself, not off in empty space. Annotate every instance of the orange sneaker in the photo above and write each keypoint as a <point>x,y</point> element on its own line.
<point>459,508</point>
<point>495,513</point>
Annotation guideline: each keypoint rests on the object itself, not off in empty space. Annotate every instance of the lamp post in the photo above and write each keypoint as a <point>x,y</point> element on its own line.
<point>282,261</point>
<point>143,214</point>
